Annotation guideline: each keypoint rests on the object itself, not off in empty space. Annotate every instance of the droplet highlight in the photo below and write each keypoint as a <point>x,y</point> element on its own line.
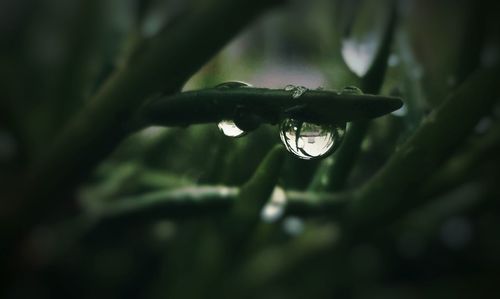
<point>310,141</point>
<point>351,90</point>
<point>230,129</point>
<point>232,84</point>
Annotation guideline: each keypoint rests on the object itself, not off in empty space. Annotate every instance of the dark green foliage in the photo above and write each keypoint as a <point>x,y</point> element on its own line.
<point>116,183</point>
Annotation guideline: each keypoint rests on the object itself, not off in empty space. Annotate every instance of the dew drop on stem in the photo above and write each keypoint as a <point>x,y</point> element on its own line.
<point>351,90</point>
<point>297,91</point>
<point>232,84</point>
<point>310,141</point>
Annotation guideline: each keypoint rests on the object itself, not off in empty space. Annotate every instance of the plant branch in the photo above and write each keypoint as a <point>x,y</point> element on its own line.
<point>389,193</point>
<point>334,175</point>
<point>202,201</point>
<point>161,63</point>
<point>269,105</point>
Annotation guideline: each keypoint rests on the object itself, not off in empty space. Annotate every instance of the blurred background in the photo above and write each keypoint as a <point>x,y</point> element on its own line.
<point>55,54</point>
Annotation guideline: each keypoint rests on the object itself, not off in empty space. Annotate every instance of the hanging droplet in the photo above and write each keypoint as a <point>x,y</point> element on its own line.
<point>232,84</point>
<point>230,129</point>
<point>297,91</point>
<point>308,140</point>
<point>351,90</point>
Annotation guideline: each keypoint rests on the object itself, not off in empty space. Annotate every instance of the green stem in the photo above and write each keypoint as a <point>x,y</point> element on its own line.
<point>392,191</point>
<point>333,176</point>
<point>162,63</point>
<point>269,105</point>
<point>462,167</point>
<point>204,200</point>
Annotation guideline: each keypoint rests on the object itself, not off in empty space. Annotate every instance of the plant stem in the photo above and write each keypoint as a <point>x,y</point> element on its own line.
<point>269,105</point>
<point>392,191</point>
<point>202,201</point>
<point>161,63</point>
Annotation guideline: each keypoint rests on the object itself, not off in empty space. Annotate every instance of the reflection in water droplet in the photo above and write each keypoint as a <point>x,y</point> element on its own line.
<point>232,84</point>
<point>308,141</point>
<point>353,90</point>
<point>297,91</point>
<point>229,128</point>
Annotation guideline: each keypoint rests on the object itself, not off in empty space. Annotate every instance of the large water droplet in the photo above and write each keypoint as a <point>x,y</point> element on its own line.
<point>308,140</point>
<point>230,129</point>
<point>232,84</point>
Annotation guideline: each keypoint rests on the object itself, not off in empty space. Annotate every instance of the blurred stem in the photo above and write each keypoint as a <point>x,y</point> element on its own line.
<point>161,63</point>
<point>462,167</point>
<point>472,40</point>
<point>333,176</point>
<point>254,194</point>
<point>203,200</point>
<point>79,68</point>
<point>380,200</point>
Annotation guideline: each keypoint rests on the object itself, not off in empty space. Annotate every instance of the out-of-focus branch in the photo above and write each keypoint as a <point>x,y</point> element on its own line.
<point>392,191</point>
<point>205,200</point>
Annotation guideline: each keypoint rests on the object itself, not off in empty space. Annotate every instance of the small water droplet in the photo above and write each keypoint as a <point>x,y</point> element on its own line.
<point>351,90</point>
<point>232,84</point>
<point>230,129</point>
<point>308,140</point>
<point>293,225</point>
<point>297,91</point>
<point>393,60</point>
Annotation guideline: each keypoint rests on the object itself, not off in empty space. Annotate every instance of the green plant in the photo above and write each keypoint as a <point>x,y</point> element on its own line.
<point>181,212</point>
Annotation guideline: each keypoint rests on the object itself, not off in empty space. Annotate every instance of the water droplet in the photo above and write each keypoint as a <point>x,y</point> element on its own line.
<point>293,225</point>
<point>393,60</point>
<point>400,112</point>
<point>275,208</point>
<point>232,84</point>
<point>230,129</point>
<point>297,91</point>
<point>351,90</point>
<point>308,140</point>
